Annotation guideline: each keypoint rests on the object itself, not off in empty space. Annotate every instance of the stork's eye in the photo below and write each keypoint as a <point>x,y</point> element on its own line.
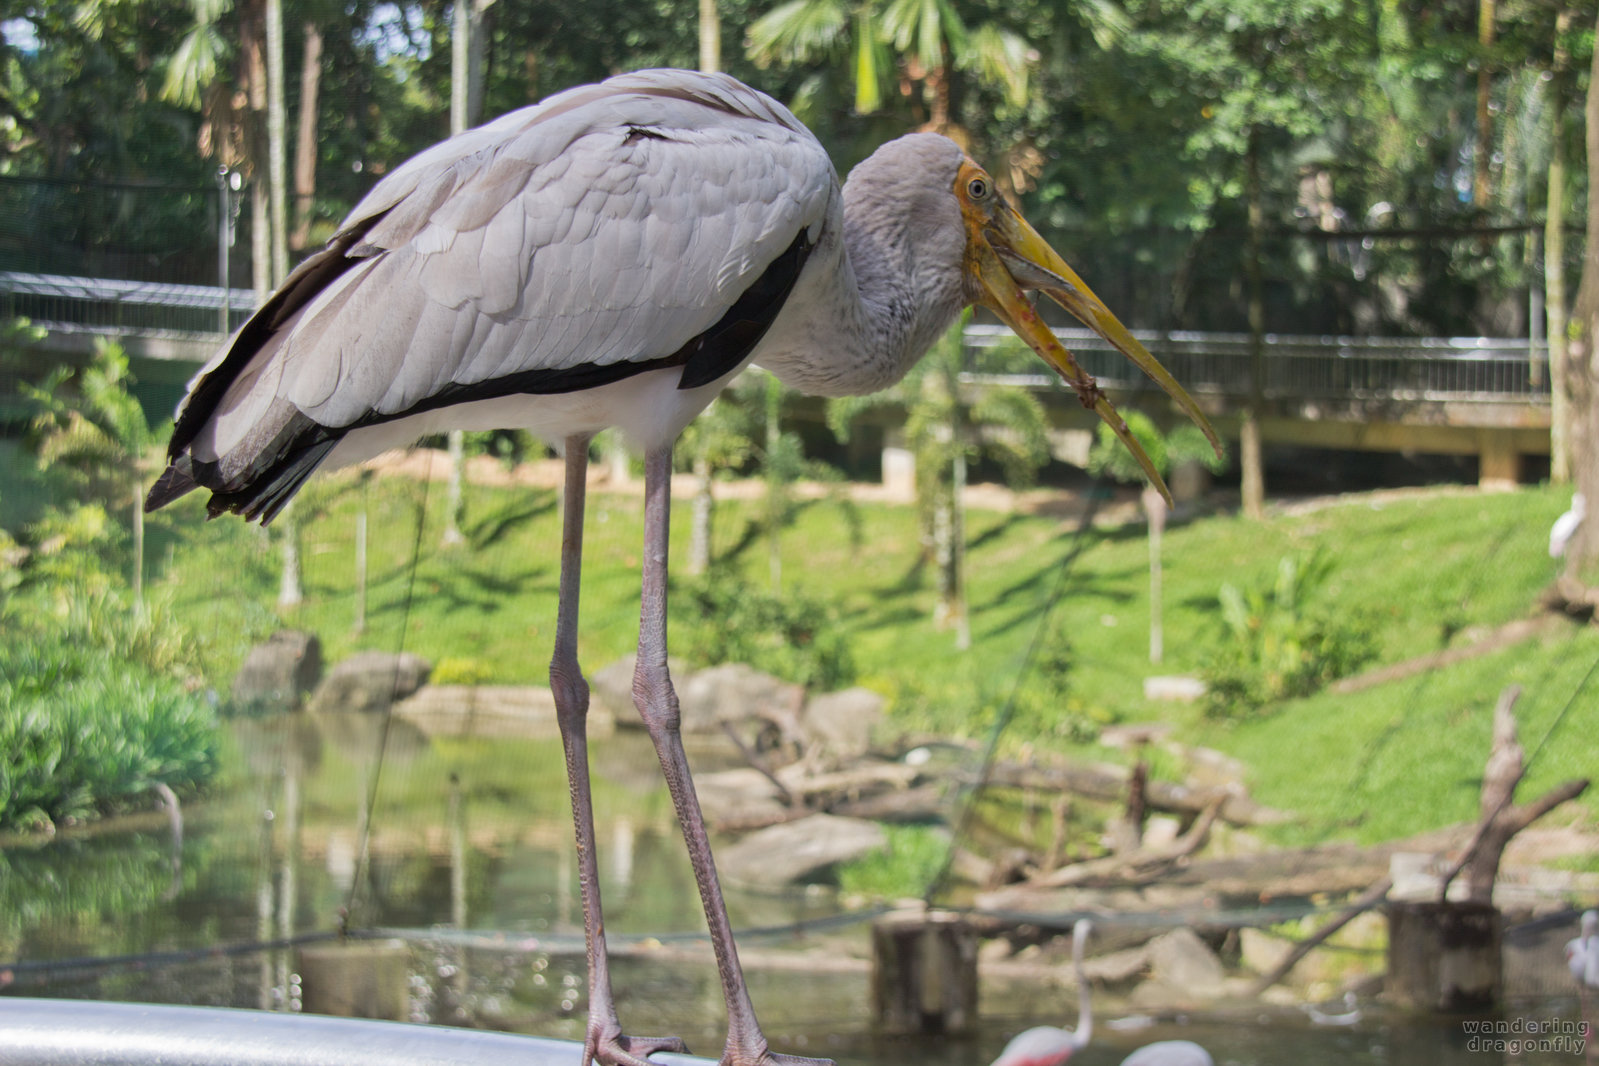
<point>978,189</point>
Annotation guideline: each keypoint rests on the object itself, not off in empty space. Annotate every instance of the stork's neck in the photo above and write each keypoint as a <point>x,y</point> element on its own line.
<point>874,296</point>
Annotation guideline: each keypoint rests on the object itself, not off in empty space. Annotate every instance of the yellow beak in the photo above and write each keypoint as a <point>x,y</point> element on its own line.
<point>1006,255</point>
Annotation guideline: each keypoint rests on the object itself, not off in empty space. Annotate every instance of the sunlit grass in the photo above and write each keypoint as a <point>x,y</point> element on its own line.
<point>1432,568</point>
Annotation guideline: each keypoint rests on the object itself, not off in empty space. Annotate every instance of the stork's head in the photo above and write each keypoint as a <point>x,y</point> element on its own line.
<point>1005,256</point>
<point>1002,256</point>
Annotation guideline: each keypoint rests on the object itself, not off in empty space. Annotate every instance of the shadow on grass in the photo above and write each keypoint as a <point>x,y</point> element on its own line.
<point>509,516</point>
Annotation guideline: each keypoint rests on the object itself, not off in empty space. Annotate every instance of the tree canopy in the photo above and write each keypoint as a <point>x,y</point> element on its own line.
<point>1123,127</point>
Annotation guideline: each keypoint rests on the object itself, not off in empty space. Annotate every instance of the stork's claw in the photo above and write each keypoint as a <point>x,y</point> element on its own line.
<point>619,1050</point>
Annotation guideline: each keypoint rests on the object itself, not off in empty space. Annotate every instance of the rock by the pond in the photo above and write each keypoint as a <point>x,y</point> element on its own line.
<point>734,692</point>
<point>278,672</point>
<point>491,711</point>
<point>1260,952</point>
<point>794,851</point>
<point>1181,961</point>
<point>839,724</point>
<point>612,688</point>
<point>370,681</point>
<point>739,795</point>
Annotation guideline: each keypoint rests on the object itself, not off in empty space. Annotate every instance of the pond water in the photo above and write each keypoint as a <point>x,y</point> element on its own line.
<point>475,835</point>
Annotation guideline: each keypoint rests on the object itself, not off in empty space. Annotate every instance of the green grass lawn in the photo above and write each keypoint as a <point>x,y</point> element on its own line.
<point>1430,569</point>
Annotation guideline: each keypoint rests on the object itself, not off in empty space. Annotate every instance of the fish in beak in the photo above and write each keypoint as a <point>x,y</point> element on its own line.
<point>1005,256</point>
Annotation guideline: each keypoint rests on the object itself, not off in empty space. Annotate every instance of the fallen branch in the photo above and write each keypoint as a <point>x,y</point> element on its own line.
<point>1500,821</point>
<point>1364,902</point>
<point>1110,785</point>
<point>1138,864</point>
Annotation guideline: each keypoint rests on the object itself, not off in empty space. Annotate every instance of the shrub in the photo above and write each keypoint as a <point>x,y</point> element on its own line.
<point>1281,647</point>
<point>792,637</point>
<point>83,734</point>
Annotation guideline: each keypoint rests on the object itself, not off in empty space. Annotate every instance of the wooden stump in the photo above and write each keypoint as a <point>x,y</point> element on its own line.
<point>1445,957</point>
<point>355,979</point>
<point>924,974</point>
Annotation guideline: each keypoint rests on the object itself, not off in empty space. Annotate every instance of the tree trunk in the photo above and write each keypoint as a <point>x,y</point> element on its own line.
<point>1554,258</point>
<point>704,509</point>
<point>1482,159</point>
<point>1155,510</point>
<point>957,553</point>
<point>460,63</point>
<point>1582,369</point>
<point>138,551</point>
<point>260,221</point>
<point>290,594</point>
<point>774,491</point>
<point>360,567</point>
<point>710,37</point>
<point>305,139</point>
<point>277,148</point>
<point>452,489</point>
<point>1250,453</point>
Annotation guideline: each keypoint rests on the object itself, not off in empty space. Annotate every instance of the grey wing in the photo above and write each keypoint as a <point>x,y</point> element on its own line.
<point>597,233</point>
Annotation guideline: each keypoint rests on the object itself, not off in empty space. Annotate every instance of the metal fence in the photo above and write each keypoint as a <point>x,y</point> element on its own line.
<point>1416,369</point>
<point>1474,369</point>
<point>62,304</point>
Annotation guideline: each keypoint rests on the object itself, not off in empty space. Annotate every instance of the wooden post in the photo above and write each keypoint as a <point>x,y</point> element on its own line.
<point>356,979</point>
<point>1444,957</point>
<point>924,974</point>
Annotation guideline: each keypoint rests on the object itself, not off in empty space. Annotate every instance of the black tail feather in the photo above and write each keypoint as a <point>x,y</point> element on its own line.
<point>175,481</point>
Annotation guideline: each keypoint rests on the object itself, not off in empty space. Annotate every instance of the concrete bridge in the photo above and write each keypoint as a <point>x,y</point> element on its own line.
<point>1487,397</point>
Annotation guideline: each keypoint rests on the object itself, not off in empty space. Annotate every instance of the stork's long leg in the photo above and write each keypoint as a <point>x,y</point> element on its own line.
<point>657,703</point>
<point>604,1040</point>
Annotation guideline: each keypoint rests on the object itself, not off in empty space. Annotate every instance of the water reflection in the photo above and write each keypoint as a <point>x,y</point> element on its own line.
<point>450,835</point>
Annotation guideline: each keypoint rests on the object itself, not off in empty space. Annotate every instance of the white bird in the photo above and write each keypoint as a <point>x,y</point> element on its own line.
<point>1046,1045</point>
<point>1566,525</point>
<point>1170,1053</point>
<point>613,256</point>
<point>1582,953</point>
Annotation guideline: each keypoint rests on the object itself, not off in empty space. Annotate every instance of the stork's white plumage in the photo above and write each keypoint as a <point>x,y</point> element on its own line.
<point>612,257</point>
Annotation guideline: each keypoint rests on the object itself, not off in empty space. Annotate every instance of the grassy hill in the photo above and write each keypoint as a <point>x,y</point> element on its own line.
<point>1428,569</point>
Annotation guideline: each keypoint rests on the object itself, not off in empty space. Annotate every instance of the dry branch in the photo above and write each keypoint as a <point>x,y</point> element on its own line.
<point>1364,902</point>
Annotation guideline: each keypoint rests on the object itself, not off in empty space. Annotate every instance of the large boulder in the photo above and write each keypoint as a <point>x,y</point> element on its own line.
<point>611,687</point>
<point>370,681</point>
<point>796,851</point>
<point>278,672</point>
<point>736,692</point>
<point>838,725</point>
<point>1185,964</point>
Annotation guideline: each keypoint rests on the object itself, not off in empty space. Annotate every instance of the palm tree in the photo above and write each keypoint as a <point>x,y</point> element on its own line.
<point>719,439</point>
<point>1167,452</point>
<point>90,423</point>
<point>946,426</point>
<point>928,36</point>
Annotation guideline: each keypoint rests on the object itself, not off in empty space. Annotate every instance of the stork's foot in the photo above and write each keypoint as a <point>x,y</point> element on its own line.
<point>614,1049</point>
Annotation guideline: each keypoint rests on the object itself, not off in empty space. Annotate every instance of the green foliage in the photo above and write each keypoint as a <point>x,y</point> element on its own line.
<point>90,424</point>
<point>1282,645</point>
<point>82,733</point>
<point>791,636</point>
<point>1167,451</point>
<point>914,857</point>
<point>459,670</point>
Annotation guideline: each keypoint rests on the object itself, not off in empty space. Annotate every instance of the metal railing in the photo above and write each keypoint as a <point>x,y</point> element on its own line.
<point>47,1032</point>
<point>1367,369</point>
<point>62,304</point>
<point>1421,369</point>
